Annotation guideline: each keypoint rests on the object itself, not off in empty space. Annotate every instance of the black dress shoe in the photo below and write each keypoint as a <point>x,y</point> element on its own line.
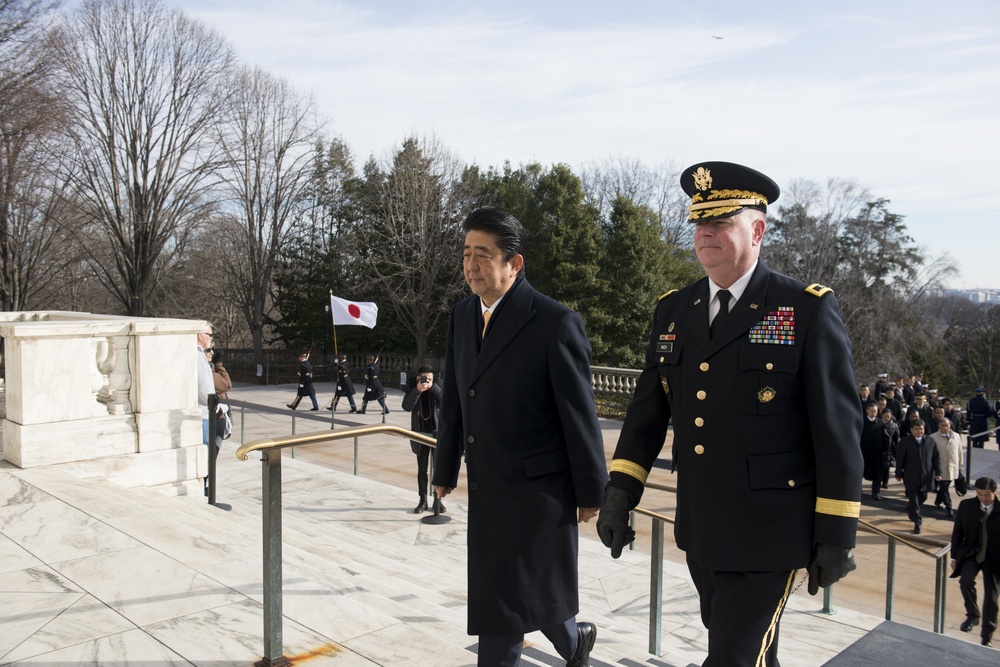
<point>951,515</point>
<point>290,406</point>
<point>876,497</point>
<point>354,409</point>
<point>421,506</point>
<point>970,622</point>
<point>916,530</point>
<point>314,409</point>
<point>986,642</point>
<point>587,633</point>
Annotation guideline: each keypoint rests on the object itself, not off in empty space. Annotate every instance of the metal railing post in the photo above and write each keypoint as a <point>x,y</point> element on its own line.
<point>890,579</point>
<point>213,429</point>
<point>293,432</point>
<point>271,464</point>
<point>656,588</point>
<point>631,522</point>
<point>940,585</point>
<point>828,600</point>
<point>355,455</point>
<point>243,422</point>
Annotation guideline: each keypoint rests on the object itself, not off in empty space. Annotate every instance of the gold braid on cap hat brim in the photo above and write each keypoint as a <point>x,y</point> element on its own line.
<point>721,202</point>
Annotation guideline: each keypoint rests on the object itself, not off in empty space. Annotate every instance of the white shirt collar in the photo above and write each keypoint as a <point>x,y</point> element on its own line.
<point>736,289</point>
<point>491,309</point>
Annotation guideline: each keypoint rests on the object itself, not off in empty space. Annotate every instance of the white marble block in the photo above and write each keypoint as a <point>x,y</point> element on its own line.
<point>49,379</point>
<point>37,445</point>
<point>168,430</point>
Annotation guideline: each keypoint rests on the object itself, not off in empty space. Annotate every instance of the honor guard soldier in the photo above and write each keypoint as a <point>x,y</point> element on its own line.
<point>767,481</point>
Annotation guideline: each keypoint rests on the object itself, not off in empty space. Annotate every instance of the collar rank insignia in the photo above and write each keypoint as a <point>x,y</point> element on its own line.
<point>777,328</point>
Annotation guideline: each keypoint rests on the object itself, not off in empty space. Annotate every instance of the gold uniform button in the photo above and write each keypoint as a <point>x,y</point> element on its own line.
<point>703,366</point>
<point>698,449</point>
<point>661,360</point>
<point>791,482</point>
<point>699,421</point>
<point>769,366</point>
<point>701,395</point>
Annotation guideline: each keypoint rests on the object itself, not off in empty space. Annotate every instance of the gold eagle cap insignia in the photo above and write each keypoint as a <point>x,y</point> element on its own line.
<point>702,178</point>
<point>766,395</point>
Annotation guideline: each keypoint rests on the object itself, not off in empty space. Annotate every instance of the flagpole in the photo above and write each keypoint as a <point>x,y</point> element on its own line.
<point>333,320</point>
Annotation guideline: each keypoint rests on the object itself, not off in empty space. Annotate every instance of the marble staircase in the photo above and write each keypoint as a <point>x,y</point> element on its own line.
<point>95,574</point>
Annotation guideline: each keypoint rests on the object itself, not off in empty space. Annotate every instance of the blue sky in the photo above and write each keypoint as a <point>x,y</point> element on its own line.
<point>900,96</point>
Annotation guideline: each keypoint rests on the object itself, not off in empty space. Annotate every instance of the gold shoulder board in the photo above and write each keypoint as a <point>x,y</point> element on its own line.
<point>666,294</point>
<point>818,290</point>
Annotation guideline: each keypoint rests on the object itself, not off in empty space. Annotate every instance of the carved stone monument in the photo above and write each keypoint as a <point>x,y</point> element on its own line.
<point>105,396</point>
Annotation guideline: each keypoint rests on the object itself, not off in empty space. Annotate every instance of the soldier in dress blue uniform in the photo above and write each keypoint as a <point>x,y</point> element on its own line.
<point>373,386</point>
<point>767,481</point>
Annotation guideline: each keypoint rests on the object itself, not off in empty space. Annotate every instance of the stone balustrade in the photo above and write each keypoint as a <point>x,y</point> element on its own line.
<point>615,381</point>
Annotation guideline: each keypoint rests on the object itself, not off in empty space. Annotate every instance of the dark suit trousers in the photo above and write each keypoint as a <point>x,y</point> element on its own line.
<point>741,611</point>
<point>916,498</point>
<point>969,569</point>
<point>505,650</point>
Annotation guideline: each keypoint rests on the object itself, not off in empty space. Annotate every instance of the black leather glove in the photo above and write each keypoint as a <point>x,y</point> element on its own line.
<point>612,522</point>
<point>217,357</point>
<point>829,565</point>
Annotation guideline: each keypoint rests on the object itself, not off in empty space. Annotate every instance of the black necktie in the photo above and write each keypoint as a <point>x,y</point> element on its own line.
<point>723,313</point>
<point>981,554</point>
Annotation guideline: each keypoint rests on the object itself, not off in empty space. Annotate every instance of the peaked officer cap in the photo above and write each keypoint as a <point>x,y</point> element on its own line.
<point>723,189</point>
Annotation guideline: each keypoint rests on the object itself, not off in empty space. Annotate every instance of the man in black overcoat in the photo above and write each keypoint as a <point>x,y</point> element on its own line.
<point>972,554</point>
<point>306,387</point>
<point>345,386</point>
<point>423,400</point>
<point>978,411</point>
<point>518,403</point>
<point>755,370</point>
<point>873,449</point>
<point>373,386</point>
<point>918,466</point>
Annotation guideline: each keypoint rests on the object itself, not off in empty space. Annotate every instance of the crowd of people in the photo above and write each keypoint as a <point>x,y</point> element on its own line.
<point>907,426</point>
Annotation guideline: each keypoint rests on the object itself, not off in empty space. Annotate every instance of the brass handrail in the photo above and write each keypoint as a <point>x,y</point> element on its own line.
<point>271,517</point>
<point>324,436</point>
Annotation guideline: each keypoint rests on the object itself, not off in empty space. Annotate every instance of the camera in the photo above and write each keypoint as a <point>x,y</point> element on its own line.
<point>423,379</point>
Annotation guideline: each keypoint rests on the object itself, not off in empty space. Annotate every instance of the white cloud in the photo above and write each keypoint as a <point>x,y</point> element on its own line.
<point>900,96</point>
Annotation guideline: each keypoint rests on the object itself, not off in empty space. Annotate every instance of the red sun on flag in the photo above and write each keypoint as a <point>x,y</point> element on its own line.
<point>354,311</point>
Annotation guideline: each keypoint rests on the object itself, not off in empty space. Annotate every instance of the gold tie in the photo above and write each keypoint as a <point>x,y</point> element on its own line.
<point>486,322</point>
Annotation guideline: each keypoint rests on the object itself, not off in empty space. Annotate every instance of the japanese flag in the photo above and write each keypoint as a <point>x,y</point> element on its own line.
<point>343,311</point>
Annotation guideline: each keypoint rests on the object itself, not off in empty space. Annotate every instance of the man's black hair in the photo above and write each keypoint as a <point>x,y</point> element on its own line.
<point>511,236</point>
<point>984,483</point>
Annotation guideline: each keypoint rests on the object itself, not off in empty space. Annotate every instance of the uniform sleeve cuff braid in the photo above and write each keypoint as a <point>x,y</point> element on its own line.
<point>845,508</point>
<point>631,469</point>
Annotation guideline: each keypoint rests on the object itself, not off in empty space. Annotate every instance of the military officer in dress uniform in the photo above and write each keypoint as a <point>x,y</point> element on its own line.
<point>767,482</point>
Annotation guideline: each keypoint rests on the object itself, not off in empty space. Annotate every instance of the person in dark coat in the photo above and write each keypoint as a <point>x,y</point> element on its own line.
<point>305,383</point>
<point>893,404</point>
<point>912,414</point>
<point>882,385</point>
<point>873,449</point>
<point>918,466</point>
<point>890,445</point>
<point>423,401</point>
<point>373,386</point>
<point>345,386</point>
<point>755,370</point>
<point>978,412</point>
<point>970,556</point>
<point>518,403</point>
<point>864,394</point>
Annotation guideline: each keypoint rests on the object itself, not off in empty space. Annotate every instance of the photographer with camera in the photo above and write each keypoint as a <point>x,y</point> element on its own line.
<point>422,400</point>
